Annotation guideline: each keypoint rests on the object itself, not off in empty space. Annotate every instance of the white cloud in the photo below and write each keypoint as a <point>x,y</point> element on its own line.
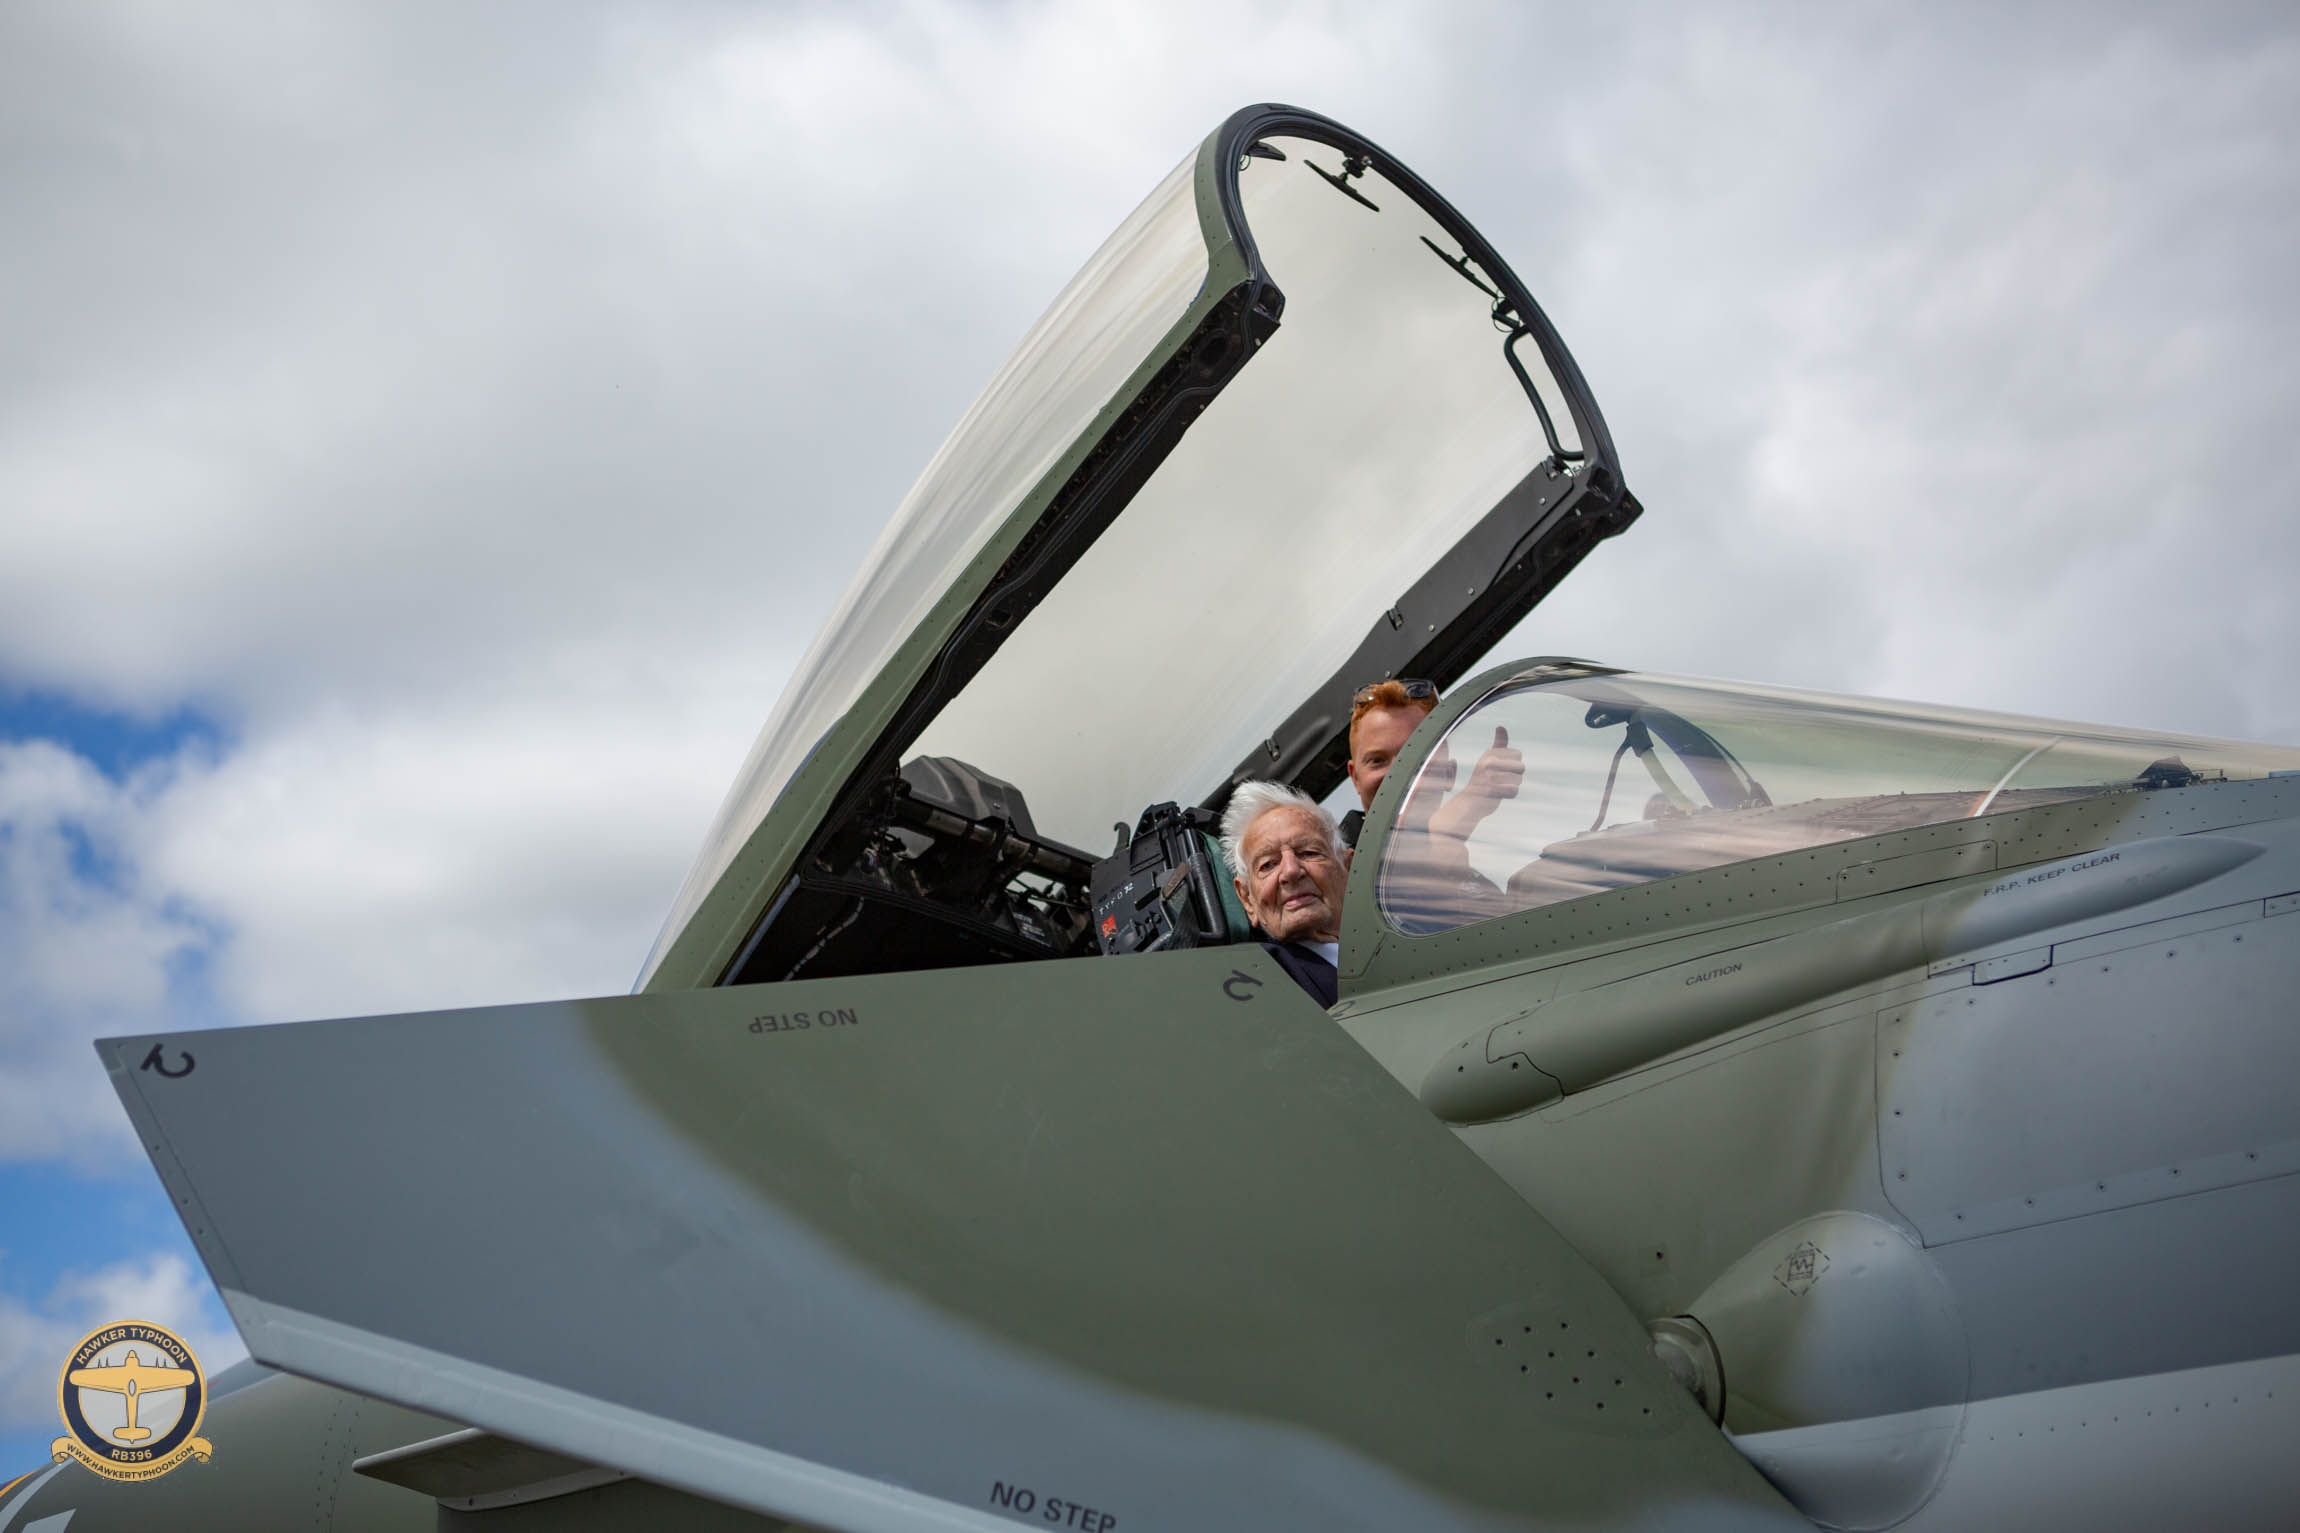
<point>339,375</point>
<point>87,947</point>
<point>482,849</point>
<point>494,845</point>
<point>1943,371</point>
<point>36,1337</point>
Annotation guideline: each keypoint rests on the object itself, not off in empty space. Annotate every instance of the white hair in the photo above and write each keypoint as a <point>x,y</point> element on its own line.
<point>1250,802</point>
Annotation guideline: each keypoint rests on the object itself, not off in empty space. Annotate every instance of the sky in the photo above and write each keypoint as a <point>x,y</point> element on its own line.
<point>430,434</point>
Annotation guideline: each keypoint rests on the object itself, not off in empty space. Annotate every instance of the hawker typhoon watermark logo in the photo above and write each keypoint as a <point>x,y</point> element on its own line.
<point>132,1397</point>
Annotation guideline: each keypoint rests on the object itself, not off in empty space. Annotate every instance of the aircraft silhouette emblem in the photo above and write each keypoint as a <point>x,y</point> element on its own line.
<point>135,1379</point>
<point>136,1449</point>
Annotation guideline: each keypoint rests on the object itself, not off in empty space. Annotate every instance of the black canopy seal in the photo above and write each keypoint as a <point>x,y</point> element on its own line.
<point>1502,568</point>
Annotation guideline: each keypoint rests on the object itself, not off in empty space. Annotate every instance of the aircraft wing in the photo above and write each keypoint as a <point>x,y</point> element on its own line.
<point>144,1376</point>
<point>1116,1245</point>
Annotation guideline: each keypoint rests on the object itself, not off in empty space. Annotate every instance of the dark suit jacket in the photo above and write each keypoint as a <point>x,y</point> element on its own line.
<point>1309,968</point>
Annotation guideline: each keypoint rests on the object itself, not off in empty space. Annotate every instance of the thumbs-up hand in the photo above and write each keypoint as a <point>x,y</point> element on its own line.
<point>1496,777</point>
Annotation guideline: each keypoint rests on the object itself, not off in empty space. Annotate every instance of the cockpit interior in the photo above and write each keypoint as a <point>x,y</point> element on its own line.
<point>1627,778</point>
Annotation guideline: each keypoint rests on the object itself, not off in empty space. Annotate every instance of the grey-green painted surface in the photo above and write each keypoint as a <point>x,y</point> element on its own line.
<point>1146,1234</point>
<point>283,1454</point>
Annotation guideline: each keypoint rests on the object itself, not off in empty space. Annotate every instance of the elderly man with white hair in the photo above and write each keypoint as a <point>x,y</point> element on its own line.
<point>1285,856</point>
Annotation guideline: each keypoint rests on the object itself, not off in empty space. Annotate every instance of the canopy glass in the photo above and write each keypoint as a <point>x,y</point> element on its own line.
<point>1083,348</point>
<point>1369,433</point>
<point>1573,780</point>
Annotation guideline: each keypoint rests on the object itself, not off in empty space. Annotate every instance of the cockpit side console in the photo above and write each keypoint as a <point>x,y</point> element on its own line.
<point>943,867</point>
<point>1166,886</point>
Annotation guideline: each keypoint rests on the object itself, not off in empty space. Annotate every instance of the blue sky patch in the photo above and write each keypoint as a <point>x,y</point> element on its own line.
<point>116,742</point>
<point>54,1221</point>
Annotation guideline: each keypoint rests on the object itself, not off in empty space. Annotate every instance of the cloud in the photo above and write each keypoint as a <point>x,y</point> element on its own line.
<point>36,1337</point>
<point>482,849</point>
<point>478,850</point>
<point>88,945</point>
<point>1943,371</point>
<point>342,360</point>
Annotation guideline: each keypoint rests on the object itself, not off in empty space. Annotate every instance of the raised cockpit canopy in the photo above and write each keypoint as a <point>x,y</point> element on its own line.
<point>1618,778</point>
<point>1294,428</point>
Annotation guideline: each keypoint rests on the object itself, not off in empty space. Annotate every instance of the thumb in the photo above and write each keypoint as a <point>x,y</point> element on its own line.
<point>1500,738</point>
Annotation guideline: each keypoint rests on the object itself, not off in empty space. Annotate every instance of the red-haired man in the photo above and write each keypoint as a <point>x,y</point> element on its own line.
<point>1383,717</point>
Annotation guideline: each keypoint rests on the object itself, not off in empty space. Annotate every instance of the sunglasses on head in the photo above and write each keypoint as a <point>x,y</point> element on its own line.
<point>1416,689</point>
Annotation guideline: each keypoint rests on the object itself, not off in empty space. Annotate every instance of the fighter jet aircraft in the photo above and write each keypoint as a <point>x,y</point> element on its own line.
<point>1779,1109</point>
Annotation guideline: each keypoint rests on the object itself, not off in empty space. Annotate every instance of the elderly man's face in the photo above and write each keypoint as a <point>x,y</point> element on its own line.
<point>1381,734</point>
<point>1293,882</point>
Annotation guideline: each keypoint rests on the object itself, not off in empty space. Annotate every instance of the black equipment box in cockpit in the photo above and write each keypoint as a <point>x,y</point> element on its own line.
<point>1167,887</point>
